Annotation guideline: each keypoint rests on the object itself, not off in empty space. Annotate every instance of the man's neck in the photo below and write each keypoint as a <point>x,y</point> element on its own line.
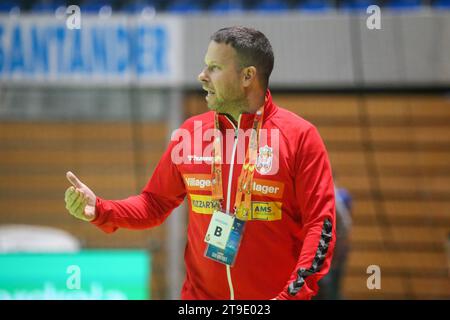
<point>254,103</point>
<point>234,116</point>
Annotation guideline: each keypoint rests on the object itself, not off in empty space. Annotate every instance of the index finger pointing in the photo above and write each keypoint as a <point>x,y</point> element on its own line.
<point>73,180</point>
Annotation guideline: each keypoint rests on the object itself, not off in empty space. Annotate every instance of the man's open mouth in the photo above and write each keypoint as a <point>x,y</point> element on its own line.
<point>209,91</point>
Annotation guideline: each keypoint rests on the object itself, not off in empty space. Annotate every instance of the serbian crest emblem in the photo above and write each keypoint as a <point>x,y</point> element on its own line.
<point>264,160</point>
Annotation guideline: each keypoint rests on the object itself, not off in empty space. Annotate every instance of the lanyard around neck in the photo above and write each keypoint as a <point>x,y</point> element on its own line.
<point>242,206</point>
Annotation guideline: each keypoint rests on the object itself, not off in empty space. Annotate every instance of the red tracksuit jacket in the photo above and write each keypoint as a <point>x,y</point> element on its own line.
<point>288,243</point>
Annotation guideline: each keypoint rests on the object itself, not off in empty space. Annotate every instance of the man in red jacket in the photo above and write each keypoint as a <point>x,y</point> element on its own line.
<point>258,181</point>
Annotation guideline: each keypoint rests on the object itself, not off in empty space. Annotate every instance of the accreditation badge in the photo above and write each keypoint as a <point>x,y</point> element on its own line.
<point>219,229</point>
<point>227,254</point>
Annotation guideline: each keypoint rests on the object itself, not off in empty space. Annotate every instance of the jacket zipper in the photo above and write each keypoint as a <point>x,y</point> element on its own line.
<point>230,179</point>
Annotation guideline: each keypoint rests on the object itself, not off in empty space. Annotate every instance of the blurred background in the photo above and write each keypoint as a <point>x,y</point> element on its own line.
<point>99,94</point>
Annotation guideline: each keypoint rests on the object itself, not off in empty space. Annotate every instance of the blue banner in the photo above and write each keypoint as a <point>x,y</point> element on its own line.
<point>110,50</point>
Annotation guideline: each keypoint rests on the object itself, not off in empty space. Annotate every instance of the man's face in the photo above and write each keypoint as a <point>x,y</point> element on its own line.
<point>221,78</point>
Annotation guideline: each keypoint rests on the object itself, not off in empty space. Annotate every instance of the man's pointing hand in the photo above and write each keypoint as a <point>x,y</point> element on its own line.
<point>80,200</point>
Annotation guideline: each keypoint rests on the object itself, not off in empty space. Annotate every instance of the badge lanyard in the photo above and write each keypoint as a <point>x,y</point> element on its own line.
<point>242,207</point>
<point>225,230</point>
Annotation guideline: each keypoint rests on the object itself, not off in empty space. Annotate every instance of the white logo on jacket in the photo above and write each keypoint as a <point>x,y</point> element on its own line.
<point>264,161</point>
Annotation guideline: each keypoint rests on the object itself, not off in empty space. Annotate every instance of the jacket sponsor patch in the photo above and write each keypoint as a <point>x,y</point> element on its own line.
<point>201,204</point>
<point>197,181</point>
<point>269,188</point>
<point>261,187</point>
<point>261,210</point>
<point>266,211</point>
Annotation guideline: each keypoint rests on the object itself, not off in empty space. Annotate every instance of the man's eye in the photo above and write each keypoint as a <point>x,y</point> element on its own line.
<point>212,68</point>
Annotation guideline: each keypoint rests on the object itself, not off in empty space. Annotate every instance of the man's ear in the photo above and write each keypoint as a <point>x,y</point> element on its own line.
<point>248,75</point>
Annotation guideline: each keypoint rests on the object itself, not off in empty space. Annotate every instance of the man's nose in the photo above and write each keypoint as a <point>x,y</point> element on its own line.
<point>202,76</point>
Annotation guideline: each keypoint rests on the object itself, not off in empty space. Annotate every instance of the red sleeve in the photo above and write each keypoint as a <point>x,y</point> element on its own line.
<point>315,198</point>
<point>164,192</point>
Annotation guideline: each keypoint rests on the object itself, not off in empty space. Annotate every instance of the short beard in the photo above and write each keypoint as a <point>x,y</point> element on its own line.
<point>222,107</point>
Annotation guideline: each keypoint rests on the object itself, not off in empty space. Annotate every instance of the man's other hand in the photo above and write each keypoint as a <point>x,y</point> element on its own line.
<point>80,200</point>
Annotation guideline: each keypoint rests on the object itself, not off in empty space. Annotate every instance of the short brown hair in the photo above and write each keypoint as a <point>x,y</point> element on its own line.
<point>252,47</point>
